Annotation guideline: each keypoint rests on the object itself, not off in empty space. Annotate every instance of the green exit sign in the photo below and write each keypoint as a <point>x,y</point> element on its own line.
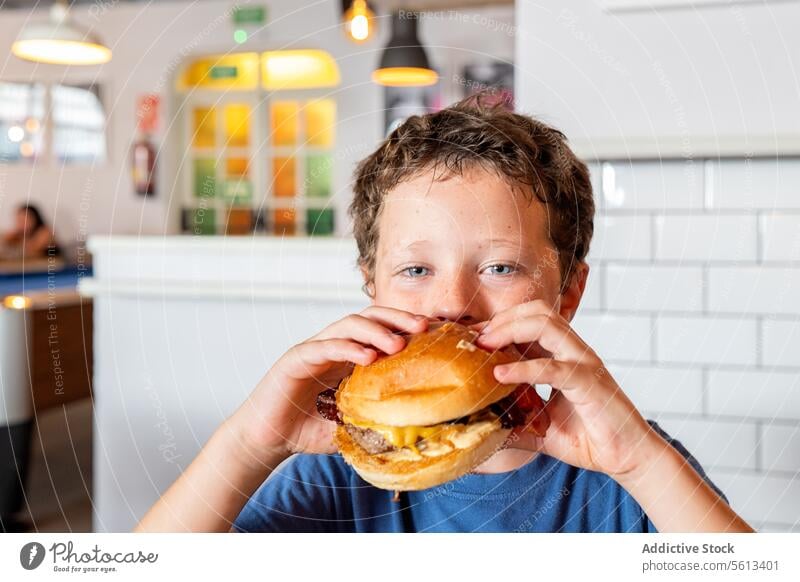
<point>223,72</point>
<point>249,15</point>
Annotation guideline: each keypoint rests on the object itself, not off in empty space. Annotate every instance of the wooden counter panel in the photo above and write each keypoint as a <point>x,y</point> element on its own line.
<point>61,349</point>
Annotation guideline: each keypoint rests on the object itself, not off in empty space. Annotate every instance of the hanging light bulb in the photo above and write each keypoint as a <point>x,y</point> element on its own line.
<point>359,21</point>
<point>59,41</point>
<point>404,62</point>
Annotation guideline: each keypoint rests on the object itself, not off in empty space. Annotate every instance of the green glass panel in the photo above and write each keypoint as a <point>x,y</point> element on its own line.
<point>222,72</point>
<point>205,178</point>
<point>203,221</point>
<point>319,221</point>
<point>318,176</point>
<point>238,192</point>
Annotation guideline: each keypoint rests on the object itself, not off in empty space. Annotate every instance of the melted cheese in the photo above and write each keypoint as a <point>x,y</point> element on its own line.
<point>432,441</point>
<point>400,436</point>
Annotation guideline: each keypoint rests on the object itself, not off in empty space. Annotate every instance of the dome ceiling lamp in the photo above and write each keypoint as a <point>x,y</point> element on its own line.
<point>404,62</point>
<point>60,41</point>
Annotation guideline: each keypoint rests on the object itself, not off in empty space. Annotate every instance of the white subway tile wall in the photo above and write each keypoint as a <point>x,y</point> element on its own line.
<point>780,237</point>
<point>705,237</point>
<point>693,301</point>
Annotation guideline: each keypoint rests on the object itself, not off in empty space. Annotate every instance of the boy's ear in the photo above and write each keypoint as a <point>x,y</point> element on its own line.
<point>368,288</point>
<point>572,294</point>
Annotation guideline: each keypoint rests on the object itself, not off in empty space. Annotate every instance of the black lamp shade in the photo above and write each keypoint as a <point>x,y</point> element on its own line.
<point>404,49</point>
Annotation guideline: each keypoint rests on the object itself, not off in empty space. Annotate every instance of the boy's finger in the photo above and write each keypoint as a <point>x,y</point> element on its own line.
<point>521,310</point>
<point>574,380</point>
<point>364,331</point>
<point>391,319</point>
<point>552,336</point>
<point>310,359</point>
<point>397,319</point>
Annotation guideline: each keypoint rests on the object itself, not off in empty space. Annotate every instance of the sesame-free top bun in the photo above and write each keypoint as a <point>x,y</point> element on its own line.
<point>440,375</point>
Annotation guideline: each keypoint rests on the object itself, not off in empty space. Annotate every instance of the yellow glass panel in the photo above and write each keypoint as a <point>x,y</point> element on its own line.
<point>237,167</point>
<point>283,176</point>
<point>237,125</point>
<point>205,127</point>
<point>238,72</point>
<point>320,121</point>
<point>284,122</point>
<point>298,69</point>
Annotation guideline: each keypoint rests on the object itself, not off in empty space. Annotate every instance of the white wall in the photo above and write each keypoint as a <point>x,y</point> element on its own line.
<point>695,265</point>
<point>150,41</point>
<point>686,81</point>
<point>692,301</point>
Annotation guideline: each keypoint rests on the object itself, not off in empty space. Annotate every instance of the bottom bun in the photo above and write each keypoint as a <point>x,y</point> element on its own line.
<point>396,472</point>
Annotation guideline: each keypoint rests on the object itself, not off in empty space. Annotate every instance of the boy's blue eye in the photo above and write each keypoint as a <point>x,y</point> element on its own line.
<point>414,271</point>
<point>510,270</point>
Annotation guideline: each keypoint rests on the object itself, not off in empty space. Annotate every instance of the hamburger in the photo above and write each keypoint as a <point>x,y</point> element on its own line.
<point>429,413</point>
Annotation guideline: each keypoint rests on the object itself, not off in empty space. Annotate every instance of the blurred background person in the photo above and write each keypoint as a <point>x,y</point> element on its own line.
<point>30,238</point>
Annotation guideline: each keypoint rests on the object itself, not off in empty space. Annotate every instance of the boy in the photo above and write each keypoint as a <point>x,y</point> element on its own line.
<point>481,216</point>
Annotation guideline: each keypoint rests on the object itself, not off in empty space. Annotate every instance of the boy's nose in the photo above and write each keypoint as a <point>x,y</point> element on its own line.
<point>458,307</point>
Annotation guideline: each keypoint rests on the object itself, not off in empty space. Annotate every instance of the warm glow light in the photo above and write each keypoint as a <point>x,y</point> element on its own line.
<point>359,27</point>
<point>357,21</point>
<point>299,69</point>
<point>15,134</point>
<point>32,125</point>
<point>405,77</point>
<point>280,70</point>
<point>17,302</point>
<point>230,72</point>
<point>59,41</point>
<point>61,52</point>
<point>26,149</point>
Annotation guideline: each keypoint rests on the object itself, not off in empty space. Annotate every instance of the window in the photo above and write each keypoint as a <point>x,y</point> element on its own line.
<point>21,121</point>
<point>77,123</point>
<point>259,152</point>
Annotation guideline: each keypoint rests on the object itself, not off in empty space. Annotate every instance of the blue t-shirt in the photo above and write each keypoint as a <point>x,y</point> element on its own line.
<point>321,493</point>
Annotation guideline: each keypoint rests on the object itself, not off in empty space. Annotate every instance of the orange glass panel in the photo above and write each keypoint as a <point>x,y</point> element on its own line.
<point>320,122</point>
<point>237,167</point>
<point>283,176</point>
<point>284,122</point>
<point>237,125</point>
<point>284,221</point>
<point>205,127</point>
<point>240,221</point>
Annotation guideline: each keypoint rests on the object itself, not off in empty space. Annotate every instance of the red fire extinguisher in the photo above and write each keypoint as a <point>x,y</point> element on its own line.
<point>144,166</point>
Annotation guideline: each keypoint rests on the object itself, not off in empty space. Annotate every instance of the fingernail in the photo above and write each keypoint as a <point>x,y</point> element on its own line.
<point>420,317</point>
<point>500,371</point>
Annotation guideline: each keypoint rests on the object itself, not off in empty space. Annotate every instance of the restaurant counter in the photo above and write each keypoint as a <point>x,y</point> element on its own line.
<point>184,328</point>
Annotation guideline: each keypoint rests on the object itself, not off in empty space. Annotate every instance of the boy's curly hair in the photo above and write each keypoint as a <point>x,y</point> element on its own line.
<point>533,157</point>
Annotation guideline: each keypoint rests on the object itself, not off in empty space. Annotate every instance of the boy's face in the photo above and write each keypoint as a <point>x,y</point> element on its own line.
<point>466,248</point>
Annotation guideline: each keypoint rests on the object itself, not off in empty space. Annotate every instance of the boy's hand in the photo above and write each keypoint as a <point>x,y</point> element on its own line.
<point>592,423</point>
<point>280,416</point>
